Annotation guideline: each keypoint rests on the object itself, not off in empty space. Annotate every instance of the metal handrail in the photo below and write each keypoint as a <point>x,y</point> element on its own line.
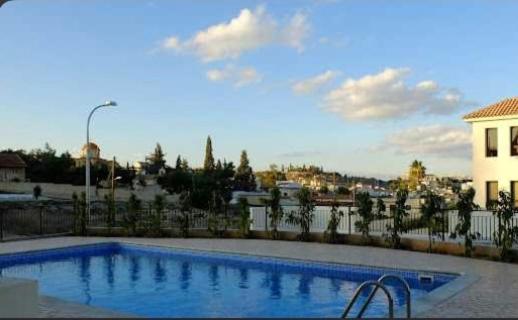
<point>377,285</point>
<point>380,280</point>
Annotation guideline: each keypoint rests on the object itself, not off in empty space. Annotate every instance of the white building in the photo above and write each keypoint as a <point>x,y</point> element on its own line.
<point>289,189</point>
<point>495,150</point>
<point>253,198</point>
<point>373,191</point>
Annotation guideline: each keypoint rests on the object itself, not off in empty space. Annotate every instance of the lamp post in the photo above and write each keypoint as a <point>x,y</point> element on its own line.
<point>87,157</point>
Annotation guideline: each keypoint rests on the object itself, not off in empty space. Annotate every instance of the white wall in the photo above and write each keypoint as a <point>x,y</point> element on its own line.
<point>10,174</point>
<point>503,168</point>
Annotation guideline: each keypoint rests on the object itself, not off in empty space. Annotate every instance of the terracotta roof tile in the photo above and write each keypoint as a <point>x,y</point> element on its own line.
<point>507,107</point>
<point>11,160</point>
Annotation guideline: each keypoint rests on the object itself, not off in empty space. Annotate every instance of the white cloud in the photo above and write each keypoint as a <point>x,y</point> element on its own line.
<point>435,140</point>
<point>248,31</point>
<point>216,75</point>
<point>338,41</point>
<point>171,43</point>
<point>313,84</point>
<point>300,154</point>
<point>238,76</point>
<point>296,31</point>
<point>386,95</point>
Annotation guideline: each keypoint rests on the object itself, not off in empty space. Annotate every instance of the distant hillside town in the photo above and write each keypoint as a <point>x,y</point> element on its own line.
<point>153,175</point>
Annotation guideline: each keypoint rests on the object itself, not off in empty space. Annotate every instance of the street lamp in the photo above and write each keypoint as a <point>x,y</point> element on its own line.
<point>87,158</point>
<point>2,2</point>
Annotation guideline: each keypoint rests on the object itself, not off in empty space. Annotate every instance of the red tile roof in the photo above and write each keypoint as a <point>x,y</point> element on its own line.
<point>507,107</point>
<point>11,160</point>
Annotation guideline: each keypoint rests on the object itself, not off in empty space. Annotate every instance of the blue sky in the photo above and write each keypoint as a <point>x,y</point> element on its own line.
<point>360,87</point>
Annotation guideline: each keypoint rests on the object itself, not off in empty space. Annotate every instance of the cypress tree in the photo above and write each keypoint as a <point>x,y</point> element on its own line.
<point>244,178</point>
<point>157,158</point>
<point>178,165</point>
<point>208,164</point>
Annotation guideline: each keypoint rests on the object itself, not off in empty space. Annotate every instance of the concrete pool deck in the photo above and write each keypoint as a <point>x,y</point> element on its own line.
<point>487,289</point>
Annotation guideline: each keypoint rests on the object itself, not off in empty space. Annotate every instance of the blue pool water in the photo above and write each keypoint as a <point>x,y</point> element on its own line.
<point>154,282</point>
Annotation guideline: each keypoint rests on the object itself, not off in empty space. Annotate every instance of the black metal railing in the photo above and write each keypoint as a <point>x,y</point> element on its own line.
<point>170,216</point>
<point>19,220</point>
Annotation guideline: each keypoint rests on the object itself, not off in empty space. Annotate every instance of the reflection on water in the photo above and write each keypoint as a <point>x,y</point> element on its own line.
<point>243,278</point>
<point>214,277</point>
<point>109,265</point>
<point>335,285</point>
<point>185,276</point>
<point>305,285</point>
<point>84,275</point>
<point>134,269</point>
<point>272,282</point>
<point>275,286</point>
<point>160,275</point>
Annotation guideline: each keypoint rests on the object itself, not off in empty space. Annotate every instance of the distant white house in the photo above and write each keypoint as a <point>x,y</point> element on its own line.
<point>289,189</point>
<point>12,168</point>
<point>253,198</point>
<point>373,191</point>
<point>495,150</point>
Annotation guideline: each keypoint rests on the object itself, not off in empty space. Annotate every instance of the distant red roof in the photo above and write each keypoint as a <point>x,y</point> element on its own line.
<point>11,160</point>
<point>506,107</point>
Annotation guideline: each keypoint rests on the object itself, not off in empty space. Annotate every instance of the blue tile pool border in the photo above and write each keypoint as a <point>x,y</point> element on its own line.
<point>294,264</point>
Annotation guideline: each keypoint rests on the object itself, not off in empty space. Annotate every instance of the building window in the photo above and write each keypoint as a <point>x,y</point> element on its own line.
<point>514,141</point>
<point>491,193</point>
<point>514,193</point>
<point>491,142</point>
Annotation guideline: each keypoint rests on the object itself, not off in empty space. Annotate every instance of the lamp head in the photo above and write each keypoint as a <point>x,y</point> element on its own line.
<point>2,2</point>
<point>110,103</point>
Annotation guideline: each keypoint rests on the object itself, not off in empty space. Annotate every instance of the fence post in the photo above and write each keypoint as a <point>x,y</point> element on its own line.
<point>265,218</point>
<point>443,224</point>
<point>2,224</point>
<point>349,217</point>
<point>41,220</point>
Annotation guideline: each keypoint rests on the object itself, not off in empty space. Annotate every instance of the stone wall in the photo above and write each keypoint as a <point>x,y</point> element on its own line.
<point>65,191</point>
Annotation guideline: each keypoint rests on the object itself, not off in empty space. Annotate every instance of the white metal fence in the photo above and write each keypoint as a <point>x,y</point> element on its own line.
<point>261,221</point>
<point>484,224</point>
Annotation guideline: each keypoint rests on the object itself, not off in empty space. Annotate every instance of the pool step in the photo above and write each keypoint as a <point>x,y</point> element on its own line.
<point>425,278</point>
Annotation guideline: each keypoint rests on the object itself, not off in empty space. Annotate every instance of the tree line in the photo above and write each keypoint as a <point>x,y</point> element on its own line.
<point>46,165</point>
<point>211,186</point>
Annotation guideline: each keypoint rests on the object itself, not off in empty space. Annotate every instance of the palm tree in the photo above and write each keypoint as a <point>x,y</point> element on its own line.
<point>416,173</point>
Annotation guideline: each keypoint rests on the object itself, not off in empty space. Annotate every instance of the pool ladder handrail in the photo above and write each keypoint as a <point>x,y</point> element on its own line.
<point>379,284</point>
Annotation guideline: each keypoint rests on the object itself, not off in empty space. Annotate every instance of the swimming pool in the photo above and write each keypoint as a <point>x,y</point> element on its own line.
<point>157,281</point>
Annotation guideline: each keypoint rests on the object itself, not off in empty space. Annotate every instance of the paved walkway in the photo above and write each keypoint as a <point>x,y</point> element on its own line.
<point>491,291</point>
